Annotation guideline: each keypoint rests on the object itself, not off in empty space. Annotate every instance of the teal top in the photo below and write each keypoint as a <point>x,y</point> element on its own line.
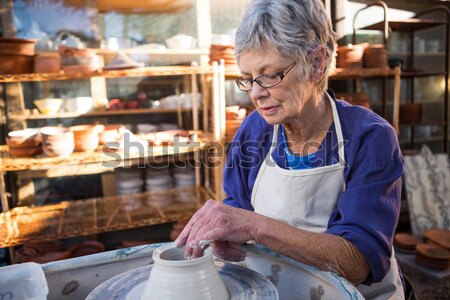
<point>295,162</point>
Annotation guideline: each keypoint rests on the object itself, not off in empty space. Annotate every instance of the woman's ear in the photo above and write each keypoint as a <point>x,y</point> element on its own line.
<point>318,63</point>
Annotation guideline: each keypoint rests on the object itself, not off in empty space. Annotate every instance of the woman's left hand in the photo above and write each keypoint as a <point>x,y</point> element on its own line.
<point>228,226</point>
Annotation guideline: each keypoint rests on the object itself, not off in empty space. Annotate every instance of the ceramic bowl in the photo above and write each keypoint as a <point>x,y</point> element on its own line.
<point>181,41</point>
<point>30,137</point>
<point>49,106</point>
<point>57,141</point>
<point>80,105</point>
<point>175,277</point>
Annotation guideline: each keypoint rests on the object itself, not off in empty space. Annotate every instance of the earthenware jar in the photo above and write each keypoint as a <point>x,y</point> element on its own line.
<point>174,277</point>
<point>86,137</point>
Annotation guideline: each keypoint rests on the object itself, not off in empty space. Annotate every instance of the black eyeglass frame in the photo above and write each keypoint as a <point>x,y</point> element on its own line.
<point>281,74</point>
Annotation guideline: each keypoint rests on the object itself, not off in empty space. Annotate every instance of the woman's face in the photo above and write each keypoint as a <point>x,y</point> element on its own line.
<point>279,104</point>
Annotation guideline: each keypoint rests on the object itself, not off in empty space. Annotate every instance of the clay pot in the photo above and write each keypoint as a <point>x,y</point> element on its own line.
<point>57,141</point>
<point>24,151</point>
<point>17,46</point>
<point>174,277</point>
<point>86,137</point>
<point>47,63</point>
<point>16,63</point>
<point>406,241</point>
<point>411,113</point>
<point>24,143</point>
<point>30,137</point>
<point>232,126</point>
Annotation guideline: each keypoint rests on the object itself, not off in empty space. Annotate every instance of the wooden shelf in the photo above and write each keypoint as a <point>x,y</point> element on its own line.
<point>142,50</point>
<point>15,116</point>
<point>422,54</point>
<point>408,25</point>
<point>91,216</point>
<point>102,159</point>
<point>422,123</point>
<point>340,73</point>
<point>407,73</point>
<point>137,72</point>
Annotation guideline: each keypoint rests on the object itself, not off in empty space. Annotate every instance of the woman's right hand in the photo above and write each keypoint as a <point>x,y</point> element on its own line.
<point>228,226</point>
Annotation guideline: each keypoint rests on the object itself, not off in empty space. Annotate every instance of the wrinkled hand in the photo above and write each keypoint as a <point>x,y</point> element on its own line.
<point>228,226</point>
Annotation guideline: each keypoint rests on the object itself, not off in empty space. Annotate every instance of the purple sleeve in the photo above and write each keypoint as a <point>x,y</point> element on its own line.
<point>367,211</point>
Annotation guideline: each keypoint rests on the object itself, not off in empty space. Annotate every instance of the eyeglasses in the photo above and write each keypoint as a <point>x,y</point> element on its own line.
<point>265,80</point>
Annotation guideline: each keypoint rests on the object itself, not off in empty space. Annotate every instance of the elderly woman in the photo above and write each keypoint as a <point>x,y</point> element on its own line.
<point>308,176</point>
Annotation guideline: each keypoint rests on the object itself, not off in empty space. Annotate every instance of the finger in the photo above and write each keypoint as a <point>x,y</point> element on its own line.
<point>230,252</point>
<point>198,251</point>
<point>182,238</point>
<point>192,248</point>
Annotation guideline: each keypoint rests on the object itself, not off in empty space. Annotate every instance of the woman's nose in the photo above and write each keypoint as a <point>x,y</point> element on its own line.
<point>258,92</point>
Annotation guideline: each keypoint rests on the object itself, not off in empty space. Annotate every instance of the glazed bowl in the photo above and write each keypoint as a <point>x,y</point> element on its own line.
<point>176,277</point>
<point>30,137</point>
<point>24,143</point>
<point>57,141</point>
<point>181,41</point>
<point>48,106</point>
<point>80,105</point>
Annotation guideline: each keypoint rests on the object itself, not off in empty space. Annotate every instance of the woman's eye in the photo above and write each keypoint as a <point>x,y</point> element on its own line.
<point>271,76</point>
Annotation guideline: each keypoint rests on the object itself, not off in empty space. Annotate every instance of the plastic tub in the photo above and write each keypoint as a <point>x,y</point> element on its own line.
<point>23,281</point>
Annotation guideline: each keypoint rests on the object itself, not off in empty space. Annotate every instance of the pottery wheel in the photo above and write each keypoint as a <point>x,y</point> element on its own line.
<point>241,283</point>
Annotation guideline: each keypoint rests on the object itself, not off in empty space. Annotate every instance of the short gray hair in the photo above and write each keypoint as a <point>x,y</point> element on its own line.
<point>294,27</point>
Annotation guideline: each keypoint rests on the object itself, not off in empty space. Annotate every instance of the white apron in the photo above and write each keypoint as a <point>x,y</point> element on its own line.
<point>306,198</point>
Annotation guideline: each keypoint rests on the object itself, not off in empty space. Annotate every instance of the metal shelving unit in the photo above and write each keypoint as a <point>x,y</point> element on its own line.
<point>411,26</point>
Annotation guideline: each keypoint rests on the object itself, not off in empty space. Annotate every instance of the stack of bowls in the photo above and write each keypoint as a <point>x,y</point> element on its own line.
<point>158,179</point>
<point>86,137</point>
<point>225,52</point>
<point>24,143</point>
<point>129,181</point>
<point>57,141</point>
<point>184,178</point>
<point>350,56</point>
<point>376,56</point>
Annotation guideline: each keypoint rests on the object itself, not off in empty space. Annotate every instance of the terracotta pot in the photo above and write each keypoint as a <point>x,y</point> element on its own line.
<point>174,277</point>
<point>47,64</point>
<point>86,137</point>
<point>232,126</point>
<point>17,46</point>
<point>24,151</point>
<point>16,63</point>
<point>411,113</point>
<point>25,138</point>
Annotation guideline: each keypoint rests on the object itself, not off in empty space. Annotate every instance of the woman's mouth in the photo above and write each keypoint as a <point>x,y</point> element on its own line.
<point>269,110</point>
